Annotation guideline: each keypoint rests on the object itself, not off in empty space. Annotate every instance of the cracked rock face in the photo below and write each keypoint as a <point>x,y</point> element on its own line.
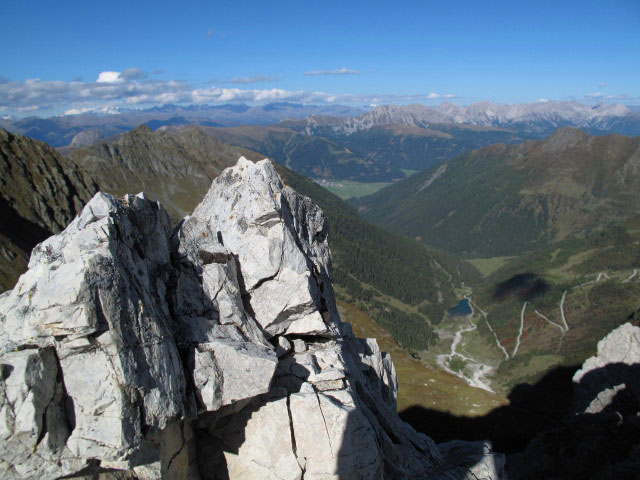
<point>210,350</point>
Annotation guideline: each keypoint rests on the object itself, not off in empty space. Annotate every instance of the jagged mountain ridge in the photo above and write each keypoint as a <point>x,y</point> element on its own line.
<point>384,273</point>
<point>205,346</point>
<point>59,131</point>
<point>40,193</point>
<point>534,119</point>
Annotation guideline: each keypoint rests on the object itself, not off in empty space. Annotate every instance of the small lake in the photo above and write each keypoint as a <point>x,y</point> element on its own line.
<point>462,308</point>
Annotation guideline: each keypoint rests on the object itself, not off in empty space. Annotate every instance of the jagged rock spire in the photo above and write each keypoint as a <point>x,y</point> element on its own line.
<point>213,349</point>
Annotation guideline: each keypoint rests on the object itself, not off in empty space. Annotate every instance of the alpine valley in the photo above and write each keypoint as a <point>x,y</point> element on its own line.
<point>488,248</point>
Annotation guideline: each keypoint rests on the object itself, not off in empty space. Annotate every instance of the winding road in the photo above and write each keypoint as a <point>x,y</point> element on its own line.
<point>478,371</point>
<point>515,349</point>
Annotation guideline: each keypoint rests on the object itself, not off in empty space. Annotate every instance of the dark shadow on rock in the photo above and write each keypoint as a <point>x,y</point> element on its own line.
<point>525,286</point>
<point>544,435</point>
<point>532,409</point>
<point>603,443</point>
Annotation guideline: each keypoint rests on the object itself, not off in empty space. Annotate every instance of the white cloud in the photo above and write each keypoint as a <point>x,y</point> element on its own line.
<point>106,109</point>
<point>133,74</point>
<point>133,87</point>
<point>254,79</point>
<point>603,85</point>
<point>337,71</point>
<point>434,95</point>
<point>542,100</point>
<point>602,96</point>
<point>109,77</point>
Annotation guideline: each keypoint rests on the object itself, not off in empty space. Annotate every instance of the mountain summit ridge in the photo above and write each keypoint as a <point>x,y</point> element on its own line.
<point>537,119</point>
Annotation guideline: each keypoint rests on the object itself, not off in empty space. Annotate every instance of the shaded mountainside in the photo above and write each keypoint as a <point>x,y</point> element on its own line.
<point>174,167</point>
<point>506,199</point>
<point>40,193</point>
<point>312,156</point>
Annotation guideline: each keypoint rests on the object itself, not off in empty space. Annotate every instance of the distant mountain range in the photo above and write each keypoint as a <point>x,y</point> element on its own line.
<point>532,120</point>
<point>336,142</point>
<point>61,130</point>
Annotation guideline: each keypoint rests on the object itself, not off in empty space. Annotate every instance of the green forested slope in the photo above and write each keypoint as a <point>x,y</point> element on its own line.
<point>400,283</point>
<point>507,199</point>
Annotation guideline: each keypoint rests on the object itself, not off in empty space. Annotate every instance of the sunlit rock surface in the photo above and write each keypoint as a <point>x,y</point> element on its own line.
<point>132,349</point>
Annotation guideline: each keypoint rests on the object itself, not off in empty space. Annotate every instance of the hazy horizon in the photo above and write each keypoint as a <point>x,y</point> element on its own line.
<point>124,55</point>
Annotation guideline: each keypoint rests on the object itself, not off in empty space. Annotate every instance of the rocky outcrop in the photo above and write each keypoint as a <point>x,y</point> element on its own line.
<point>613,373</point>
<point>212,350</point>
<point>86,137</point>
<point>174,166</point>
<point>601,439</point>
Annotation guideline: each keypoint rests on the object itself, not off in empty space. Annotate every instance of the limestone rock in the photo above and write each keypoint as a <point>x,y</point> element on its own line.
<point>212,350</point>
<point>470,461</point>
<point>600,439</point>
<point>613,372</point>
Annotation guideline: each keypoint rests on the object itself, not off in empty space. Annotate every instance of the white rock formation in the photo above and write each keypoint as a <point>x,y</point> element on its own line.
<point>213,350</point>
<point>613,372</point>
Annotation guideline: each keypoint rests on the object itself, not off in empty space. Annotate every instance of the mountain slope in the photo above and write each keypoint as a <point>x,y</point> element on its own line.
<point>415,148</point>
<point>312,156</point>
<point>173,166</point>
<point>40,193</point>
<point>503,200</point>
<point>404,286</point>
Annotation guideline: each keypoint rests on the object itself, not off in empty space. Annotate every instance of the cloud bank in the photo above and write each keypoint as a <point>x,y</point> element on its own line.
<point>135,88</point>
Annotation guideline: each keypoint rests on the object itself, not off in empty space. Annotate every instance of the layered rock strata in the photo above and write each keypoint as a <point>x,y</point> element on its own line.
<point>211,350</point>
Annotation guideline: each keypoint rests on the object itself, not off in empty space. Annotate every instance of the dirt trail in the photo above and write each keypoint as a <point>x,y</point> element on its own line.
<point>547,319</point>
<point>564,320</point>
<point>635,272</point>
<point>515,349</point>
<point>495,335</point>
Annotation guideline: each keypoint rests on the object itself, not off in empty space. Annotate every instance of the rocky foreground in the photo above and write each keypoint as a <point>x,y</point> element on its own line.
<point>131,349</point>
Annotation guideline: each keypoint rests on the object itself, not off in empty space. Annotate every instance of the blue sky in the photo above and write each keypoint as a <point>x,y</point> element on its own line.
<point>53,53</point>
